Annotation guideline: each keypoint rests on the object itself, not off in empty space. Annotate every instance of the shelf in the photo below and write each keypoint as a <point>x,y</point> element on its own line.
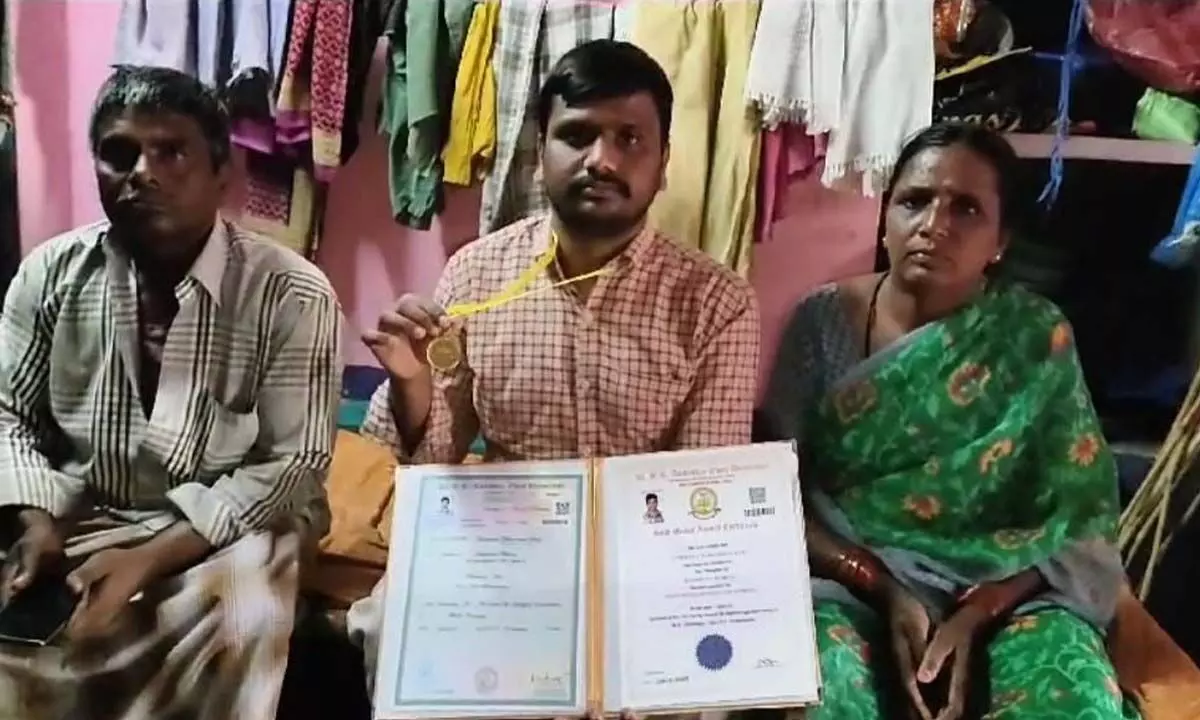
<point>1084,147</point>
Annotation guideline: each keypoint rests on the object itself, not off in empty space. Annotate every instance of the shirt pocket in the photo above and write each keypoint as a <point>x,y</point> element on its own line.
<point>639,399</point>
<point>231,437</point>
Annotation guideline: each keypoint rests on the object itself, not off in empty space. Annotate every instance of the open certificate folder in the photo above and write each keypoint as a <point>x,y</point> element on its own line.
<point>654,583</point>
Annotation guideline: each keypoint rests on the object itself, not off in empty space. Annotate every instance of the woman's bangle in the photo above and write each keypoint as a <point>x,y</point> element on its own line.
<point>859,570</point>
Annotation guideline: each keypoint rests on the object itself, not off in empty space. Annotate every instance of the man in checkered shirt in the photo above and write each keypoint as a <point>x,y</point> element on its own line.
<point>659,352</point>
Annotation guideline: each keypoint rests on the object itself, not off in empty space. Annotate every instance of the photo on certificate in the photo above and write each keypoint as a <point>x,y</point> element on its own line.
<point>658,583</point>
<point>653,514</point>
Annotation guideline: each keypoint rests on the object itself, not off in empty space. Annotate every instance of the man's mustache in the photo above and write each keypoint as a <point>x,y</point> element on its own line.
<point>582,184</point>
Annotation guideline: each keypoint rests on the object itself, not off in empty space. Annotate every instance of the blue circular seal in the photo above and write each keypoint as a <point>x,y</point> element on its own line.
<point>714,652</point>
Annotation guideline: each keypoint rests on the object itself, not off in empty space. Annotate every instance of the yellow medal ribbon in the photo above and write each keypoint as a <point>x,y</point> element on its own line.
<point>445,353</point>
<point>519,288</point>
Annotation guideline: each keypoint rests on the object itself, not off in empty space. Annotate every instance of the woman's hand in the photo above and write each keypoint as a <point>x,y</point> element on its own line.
<point>909,627</point>
<point>952,643</point>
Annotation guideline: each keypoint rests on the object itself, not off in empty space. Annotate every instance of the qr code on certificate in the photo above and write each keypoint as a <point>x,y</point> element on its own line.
<point>562,508</point>
<point>758,495</point>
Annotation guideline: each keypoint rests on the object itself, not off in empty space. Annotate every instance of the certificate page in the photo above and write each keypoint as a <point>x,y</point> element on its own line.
<point>485,609</point>
<point>706,581</point>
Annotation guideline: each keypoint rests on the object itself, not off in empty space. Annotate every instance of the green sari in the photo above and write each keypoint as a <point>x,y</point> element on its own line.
<point>969,451</point>
<point>972,442</point>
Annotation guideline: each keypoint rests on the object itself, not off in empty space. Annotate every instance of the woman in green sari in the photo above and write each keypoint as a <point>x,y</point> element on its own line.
<point>959,492</point>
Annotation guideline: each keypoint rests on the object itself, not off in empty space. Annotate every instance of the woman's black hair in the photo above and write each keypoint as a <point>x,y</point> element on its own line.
<point>988,144</point>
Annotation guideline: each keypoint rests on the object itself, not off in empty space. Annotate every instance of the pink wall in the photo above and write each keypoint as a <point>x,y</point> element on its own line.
<point>369,259</point>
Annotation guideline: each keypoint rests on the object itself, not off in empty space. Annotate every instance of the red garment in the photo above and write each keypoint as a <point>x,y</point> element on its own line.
<point>789,153</point>
<point>312,92</point>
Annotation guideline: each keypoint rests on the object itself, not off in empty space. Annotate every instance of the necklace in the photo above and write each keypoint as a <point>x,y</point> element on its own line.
<point>872,311</point>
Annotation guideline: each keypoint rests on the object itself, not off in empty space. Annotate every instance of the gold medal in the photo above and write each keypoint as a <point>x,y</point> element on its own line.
<point>444,353</point>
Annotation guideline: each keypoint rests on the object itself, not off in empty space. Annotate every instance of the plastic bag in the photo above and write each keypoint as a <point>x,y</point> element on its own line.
<point>1158,42</point>
<point>1160,116</point>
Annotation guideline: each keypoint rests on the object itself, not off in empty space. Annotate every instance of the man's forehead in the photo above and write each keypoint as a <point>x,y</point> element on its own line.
<point>163,123</point>
<point>635,109</point>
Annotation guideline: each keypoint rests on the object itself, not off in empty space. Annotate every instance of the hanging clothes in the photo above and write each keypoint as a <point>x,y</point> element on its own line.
<point>241,40</point>
<point>471,142</point>
<point>789,154</point>
<point>531,37</point>
<point>282,202</point>
<point>220,42</point>
<point>260,34</point>
<point>250,63</point>
<point>367,25</point>
<point>156,33</point>
<point>253,52</point>
<point>312,90</point>
<point>710,196</point>
<point>424,45</point>
<point>212,56</point>
<point>255,126</point>
<point>887,91</point>
<point>780,79</point>
<point>862,72</point>
<point>290,156</point>
<point>288,165</point>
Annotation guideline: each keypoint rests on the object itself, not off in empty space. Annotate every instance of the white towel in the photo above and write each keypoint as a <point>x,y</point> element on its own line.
<point>779,80</point>
<point>156,33</point>
<point>886,90</point>
<point>860,70</point>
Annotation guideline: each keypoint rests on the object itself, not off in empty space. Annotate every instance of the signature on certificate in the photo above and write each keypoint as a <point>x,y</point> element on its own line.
<point>544,681</point>
<point>766,663</point>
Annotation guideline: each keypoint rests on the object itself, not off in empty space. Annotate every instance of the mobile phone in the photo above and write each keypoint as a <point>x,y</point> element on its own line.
<point>37,615</point>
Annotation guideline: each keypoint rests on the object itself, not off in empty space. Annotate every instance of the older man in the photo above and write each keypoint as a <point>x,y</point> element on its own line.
<point>168,391</point>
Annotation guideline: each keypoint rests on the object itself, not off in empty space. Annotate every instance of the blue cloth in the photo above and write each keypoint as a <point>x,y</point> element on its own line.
<point>358,384</point>
<point>1176,249</point>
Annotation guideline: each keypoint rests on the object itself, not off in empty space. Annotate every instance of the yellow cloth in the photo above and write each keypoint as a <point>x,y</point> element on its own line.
<point>711,191</point>
<point>353,554</point>
<point>472,142</point>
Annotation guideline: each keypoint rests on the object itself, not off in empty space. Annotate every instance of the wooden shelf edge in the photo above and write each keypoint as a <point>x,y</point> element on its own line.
<point>1084,147</point>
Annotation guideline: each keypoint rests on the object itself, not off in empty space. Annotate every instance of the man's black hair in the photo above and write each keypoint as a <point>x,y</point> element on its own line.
<point>162,90</point>
<point>604,70</point>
